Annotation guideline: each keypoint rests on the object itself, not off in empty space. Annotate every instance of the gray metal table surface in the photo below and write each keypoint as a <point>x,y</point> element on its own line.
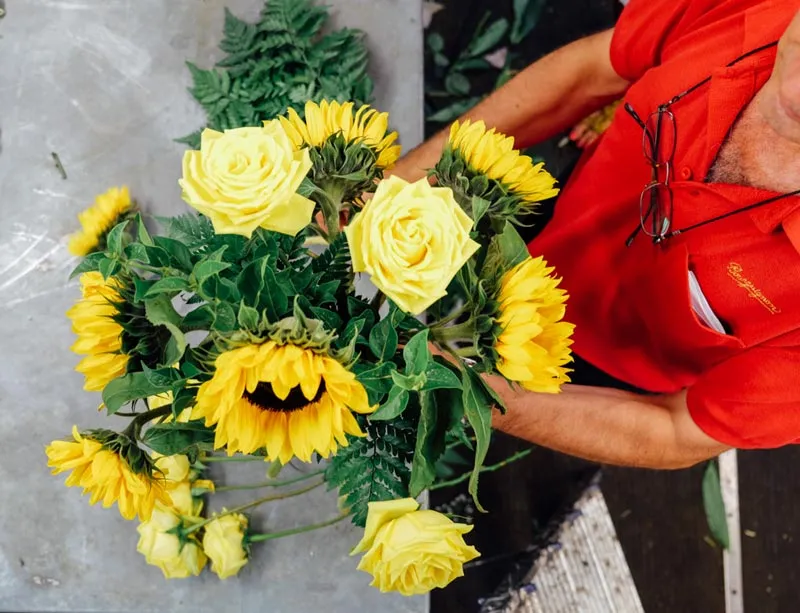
<point>103,84</point>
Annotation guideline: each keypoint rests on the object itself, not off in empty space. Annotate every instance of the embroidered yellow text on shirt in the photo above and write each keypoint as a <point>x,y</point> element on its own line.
<point>735,273</point>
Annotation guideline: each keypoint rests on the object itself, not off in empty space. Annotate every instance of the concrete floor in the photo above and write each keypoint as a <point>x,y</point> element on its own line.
<point>103,83</point>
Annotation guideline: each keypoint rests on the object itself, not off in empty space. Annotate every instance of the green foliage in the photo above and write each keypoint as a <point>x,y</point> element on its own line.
<point>136,386</point>
<point>477,404</point>
<point>279,62</point>
<point>373,468</point>
<point>431,432</point>
<point>179,438</point>
<point>714,506</point>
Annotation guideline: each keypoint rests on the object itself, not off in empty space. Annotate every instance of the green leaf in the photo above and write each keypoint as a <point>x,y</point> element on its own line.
<point>331,320</point>
<point>88,264</point>
<point>167,285</point>
<point>511,246</point>
<point>409,382</point>
<point>454,110</point>
<point>457,84</point>
<point>377,379</point>
<point>207,268</point>
<point>202,318</point>
<point>248,317</point>
<point>393,407</point>
<point>142,286</point>
<point>431,432</point>
<point>142,234</point>
<point>715,506</point>
<point>480,206</point>
<point>383,340</point>
<point>526,16</point>
<point>435,42</point>
<point>130,387</point>
<point>115,237</point>
<point>225,319</point>
<point>478,410</point>
<point>179,254</point>
<point>108,267</point>
<point>161,377</point>
<point>440,377</point>
<point>160,312</point>
<point>417,354</point>
<point>273,296</point>
<point>179,438</point>
<point>489,39</point>
<point>137,252</point>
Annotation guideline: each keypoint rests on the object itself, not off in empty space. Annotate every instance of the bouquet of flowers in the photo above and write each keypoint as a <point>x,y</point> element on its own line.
<point>240,331</point>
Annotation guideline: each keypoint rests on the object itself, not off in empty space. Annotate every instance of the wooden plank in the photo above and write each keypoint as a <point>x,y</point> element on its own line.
<point>770,515</point>
<point>661,524</point>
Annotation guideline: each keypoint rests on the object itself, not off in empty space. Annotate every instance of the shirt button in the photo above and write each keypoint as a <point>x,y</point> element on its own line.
<point>686,173</point>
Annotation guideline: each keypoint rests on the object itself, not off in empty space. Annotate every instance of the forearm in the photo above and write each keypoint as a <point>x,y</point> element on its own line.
<point>550,95</point>
<point>605,425</point>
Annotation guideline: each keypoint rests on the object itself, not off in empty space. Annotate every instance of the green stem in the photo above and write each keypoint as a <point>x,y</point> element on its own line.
<point>452,317</point>
<point>256,486</point>
<point>236,458</point>
<point>459,332</point>
<point>251,505</point>
<point>485,469</point>
<point>135,427</point>
<point>330,201</point>
<point>257,538</point>
<point>135,264</point>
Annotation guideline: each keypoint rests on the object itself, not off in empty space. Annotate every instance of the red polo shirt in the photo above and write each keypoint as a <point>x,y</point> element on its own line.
<point>632,305</point>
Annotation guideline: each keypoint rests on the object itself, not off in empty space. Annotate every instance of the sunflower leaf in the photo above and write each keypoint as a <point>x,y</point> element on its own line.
<point>130,387</point>
<point>88,264</point>
<point>394,405</point>
<point>383,340</point>
<point>179,438</point>
<point>179,254</point>
<point>478,410</point>
<point>107,267</point>
<point>440,377</point>
<point>510,246</point>
<point>377,380</point>
<point>248,317</point>
<point>416,353</point>
<point>142,235</point>
<point>167,285</point>
<point>431,432</point>
<point>115,237</point>
<point>205,269</point>
<point>160,312</point>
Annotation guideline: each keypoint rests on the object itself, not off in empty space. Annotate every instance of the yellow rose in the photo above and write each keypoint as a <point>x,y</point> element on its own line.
<point>162,549</point>
<point>412,551</point>
<point>223,543</point>
<point>248,178</point>
<point>412,239</point>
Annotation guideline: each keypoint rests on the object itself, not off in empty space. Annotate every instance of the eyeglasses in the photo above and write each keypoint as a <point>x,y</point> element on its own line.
<point>659,137</point>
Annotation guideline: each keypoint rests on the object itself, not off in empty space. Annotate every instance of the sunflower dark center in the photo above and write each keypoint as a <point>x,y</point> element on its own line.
<point>264,398</point>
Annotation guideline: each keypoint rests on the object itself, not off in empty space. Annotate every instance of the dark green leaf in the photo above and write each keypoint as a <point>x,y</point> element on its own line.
<point>417,354</point>
<point>180,256</point>
<point>142,286</point>
<point>168,285</point>
<point>441,60</point>
<point>130,387</point>
<point>440,377</point>
<point>457,84</point>
<point>273,296</point>
<point>480,207</point>
<point>162,377</point>
<point>331,320</point>
<point>207,268</point>
<point>715,506</point>
<point>248,317</point>
<point>173,350</point>
<point>88,264</point>
<point>526,16</point>
<point>393,407</point>
<point>160,312</point>
<point>202,318</point>
<point>114,238</point>
<point>108,267</point>
<point>435,42</point>
<point>178,438</point>
<point>511,247</point>
<point>430,445</point>
<point>488,39</point>
<point>142,234</point>
<point>383,340</point>
<point>478,410</point>
<point>377,379</point>
<point>454,110</point>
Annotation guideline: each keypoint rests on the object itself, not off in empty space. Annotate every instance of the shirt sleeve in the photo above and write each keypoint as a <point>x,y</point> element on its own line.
<point>751,401</point>
<point>643,29</point>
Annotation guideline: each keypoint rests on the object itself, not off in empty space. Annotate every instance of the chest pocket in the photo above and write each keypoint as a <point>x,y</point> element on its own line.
<point>752,282</point>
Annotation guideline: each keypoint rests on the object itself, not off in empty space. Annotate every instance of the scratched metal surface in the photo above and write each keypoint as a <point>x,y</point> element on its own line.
<point>102,82</point>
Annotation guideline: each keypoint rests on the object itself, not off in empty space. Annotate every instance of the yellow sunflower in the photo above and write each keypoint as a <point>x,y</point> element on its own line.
<point>534,343</point>
<point>108,210</point>
<point>99,335</point>
<point>287,399</point>
<point>493,155</point>
<point>101,471</point>
<point>329,118</point>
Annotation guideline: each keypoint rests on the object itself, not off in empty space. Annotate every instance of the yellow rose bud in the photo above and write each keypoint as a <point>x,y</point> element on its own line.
<point>248,178</point>
<point>162,549</point>
<point>412,239</point>
<point>412,551</point>
<point>223,543</point>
